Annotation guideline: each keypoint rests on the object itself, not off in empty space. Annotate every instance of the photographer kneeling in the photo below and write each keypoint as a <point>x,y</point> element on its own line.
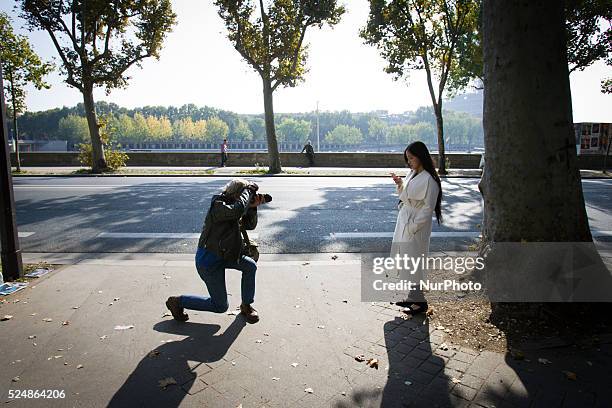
<point>221,247</point>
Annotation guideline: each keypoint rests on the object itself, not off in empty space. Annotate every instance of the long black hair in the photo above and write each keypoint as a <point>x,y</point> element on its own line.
<point>419,150</point>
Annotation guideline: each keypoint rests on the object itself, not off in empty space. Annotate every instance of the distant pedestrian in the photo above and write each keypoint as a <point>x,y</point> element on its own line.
<point>224,150</point>
<point>309,152</point>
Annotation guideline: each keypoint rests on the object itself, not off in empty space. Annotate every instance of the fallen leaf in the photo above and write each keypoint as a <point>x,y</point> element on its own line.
<point>455,380</point>
<point>321,327</point>
<point>309,390</point>
<point>570,375</point>
<point>334,257</point>
<point>79,366</point>
<point>47,319</point>
<point>166,382</point>
<point>15,379</point>
<point>6,317</point>
<point>167,314</point>
<point>544,361</point>
<point>66,323</point>
<point>31,337</point>
<point>306,263</point>
<point>275,378</point>
<point>266,334</point>
<point>443,347</point>
<point>373,363</point>
<point>440,327</point>
<point>103,337</point>
<point>75,307</point>
<point>115,299</point>
<point>258,341</point>
<point>154,353</point>
<point>131,326</point>
<point>361,358</point>
<point>294,365</point>
<point>407,382</point>
<point>344,300</point>
<point>343,393</point>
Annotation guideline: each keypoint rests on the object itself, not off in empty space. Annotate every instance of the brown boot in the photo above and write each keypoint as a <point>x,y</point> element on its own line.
<point>175,308</point>
<point>249,313</point>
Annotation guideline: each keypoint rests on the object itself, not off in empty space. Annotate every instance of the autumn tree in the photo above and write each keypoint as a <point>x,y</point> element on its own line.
<point>21,66</point>
<point>97,42</point>
<point>424,35</point>
<point>270,37</point>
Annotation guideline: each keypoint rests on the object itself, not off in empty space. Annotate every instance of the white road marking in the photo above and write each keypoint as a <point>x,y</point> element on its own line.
<point>155,235</point>
<point>23,234</point>
<point>434,234</point>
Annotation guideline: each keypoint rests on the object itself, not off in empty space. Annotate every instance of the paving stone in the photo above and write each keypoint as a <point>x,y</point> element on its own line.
<point>464,392</point>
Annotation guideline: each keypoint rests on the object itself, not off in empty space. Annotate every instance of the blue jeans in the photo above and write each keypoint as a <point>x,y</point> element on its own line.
<point>213,275</point>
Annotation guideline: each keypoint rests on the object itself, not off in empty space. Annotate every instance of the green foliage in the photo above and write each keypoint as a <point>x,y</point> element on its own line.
<point>115,158</point>
<point>293,130</point>
<point>423,34</point>
<point>271,42</point>
<point>20,66</point>
<point>344,134</point>
<point>216,130</point>
<point>98,41</point>
<point>378,131</point>
<point>74,129</point>
<point>242,131</point>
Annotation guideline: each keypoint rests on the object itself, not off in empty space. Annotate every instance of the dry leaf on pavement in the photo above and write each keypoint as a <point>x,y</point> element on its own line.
<point>119,327</point>
<point>309,390</point>
<point>163,383</point>
<point>6,317</point>
<point>373,363</point>
<point>361,358</point>
<point>570,375</point>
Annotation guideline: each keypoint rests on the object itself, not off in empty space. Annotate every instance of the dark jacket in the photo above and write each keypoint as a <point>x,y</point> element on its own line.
<point>308,149</point>
<point>221,231</point>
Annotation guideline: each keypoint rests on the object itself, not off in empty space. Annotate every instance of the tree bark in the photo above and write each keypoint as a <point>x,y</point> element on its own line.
<point>98,160</point>
<point>15,128</point>
<point>531,183</point>
<point>441,148</point>
<point>273,155</point>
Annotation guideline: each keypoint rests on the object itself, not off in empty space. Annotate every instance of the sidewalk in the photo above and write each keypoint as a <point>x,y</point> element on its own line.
<point>301,353</point>
<point>252,171</point>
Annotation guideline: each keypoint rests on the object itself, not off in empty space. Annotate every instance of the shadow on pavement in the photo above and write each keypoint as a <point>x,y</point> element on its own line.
<point>182,360</point>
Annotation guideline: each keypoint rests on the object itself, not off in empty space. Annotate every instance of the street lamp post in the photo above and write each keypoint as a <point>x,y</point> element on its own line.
<point>12,267</point>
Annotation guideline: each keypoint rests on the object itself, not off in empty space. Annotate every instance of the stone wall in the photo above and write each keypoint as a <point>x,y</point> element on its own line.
<point>190,159</point>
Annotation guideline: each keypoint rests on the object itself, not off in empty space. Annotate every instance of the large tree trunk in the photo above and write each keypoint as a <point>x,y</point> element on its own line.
<point>532,187</point>
<point>15,128</point>
<point>99,161</point>
<point>440,129</point>
<point>273,155</point>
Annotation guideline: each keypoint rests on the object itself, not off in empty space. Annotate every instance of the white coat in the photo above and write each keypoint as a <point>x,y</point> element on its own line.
<point>413,227</point>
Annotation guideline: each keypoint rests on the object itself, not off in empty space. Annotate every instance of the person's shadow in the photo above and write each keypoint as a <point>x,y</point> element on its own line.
<point>416,375</point>
<point>183,361</point>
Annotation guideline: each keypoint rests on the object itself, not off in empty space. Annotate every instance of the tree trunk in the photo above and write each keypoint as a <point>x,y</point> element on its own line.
<point>532,187</point>
<point>98,159</point>
<point>273,155</point>
<point>605,161</point>
<point>440,129</point>
<point>15,129</point>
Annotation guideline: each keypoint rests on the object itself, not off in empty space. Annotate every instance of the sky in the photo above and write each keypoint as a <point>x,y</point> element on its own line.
<point>199,65</point>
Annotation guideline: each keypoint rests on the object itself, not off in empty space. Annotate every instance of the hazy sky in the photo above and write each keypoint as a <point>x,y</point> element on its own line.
<point>198,65</point>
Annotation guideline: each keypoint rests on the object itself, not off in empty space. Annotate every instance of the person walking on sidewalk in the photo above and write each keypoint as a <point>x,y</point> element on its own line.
<point>420,195</point>
<point>224,150</point>
<point>309,152</point>
<point>221,247</point>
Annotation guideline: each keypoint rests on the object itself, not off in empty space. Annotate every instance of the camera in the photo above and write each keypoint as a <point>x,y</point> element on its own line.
<point>265,198</point>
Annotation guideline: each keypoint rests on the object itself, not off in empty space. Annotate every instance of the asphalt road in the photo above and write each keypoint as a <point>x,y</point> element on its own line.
<point>308,214</point>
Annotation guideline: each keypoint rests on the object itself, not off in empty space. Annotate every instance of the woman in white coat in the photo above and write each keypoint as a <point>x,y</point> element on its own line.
<point>420,194</point>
